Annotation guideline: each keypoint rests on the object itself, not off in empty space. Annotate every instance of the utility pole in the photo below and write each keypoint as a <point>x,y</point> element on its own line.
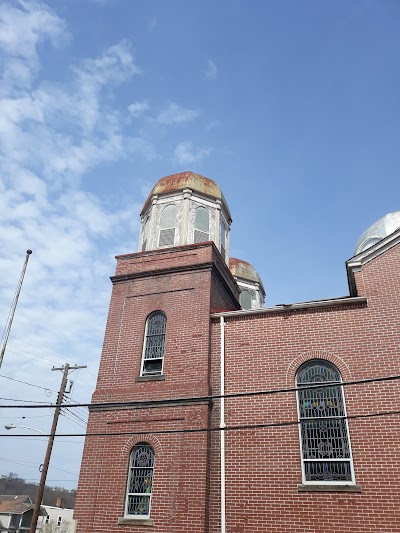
<point>39,496</point>
<point>7,329</point>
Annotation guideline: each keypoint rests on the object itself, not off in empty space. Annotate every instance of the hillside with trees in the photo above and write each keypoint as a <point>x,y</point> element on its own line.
<point>12,484</point>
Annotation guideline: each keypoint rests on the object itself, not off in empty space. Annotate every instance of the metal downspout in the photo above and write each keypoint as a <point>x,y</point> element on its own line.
<point>222,426</point>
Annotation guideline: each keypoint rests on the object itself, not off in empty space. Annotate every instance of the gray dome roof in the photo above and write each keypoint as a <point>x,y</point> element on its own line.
<point>379,230</point>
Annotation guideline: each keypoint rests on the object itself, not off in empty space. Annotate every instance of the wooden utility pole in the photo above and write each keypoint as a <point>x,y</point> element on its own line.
<point>39,496</point>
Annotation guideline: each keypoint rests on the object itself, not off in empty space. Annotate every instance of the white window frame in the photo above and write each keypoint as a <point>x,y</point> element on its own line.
<point>130,471</point>
<point>167,228</point>
<point>303,460</point>
<point>142,365</point>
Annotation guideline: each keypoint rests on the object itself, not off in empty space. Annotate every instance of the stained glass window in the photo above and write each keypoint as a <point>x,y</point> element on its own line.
<point>154,344</point>
<point>140,481</point>
<point>324,435</point>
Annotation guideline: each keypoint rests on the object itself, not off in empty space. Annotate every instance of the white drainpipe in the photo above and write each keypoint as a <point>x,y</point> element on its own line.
<point>222,426</point>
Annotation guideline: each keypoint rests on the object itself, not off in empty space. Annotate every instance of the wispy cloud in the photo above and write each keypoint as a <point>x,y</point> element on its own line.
<point>152,24</point>
<point>211,71</point>
<point>137,108</point>
<point>175,114</point>
<point>185,153</point>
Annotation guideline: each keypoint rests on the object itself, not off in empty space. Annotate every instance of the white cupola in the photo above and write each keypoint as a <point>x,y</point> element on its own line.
<point>185,208</point>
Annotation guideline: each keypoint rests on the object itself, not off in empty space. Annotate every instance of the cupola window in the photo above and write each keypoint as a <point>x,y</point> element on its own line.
<point>245,299</point>
<point>167,226</point>
<point>223,239</point>
<point>202,225</point>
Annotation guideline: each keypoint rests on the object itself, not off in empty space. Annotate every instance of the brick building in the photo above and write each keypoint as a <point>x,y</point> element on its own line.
<point>184,329</point>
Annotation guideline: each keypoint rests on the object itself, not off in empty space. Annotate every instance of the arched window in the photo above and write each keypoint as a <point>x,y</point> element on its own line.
<point>323,429</point>
<point>245,299</point>
<point>202,225</point>
<point>140,481</point>
<point>154,344</point>
<point>167,226</point>
<point>223,239</point>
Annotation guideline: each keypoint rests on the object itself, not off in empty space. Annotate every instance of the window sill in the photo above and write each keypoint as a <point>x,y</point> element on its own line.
<point>328,488</point>
<point>158,377</point>
<point>135,521</point>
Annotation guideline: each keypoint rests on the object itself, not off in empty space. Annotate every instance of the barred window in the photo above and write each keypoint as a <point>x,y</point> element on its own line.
<point>167,226</point>
<point>140,481</point>
<point>324,434</point>
<point>202,225</point>
<point>154,344</point>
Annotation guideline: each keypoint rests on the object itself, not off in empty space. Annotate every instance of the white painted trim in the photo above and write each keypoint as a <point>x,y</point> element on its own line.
<point>222,426</point>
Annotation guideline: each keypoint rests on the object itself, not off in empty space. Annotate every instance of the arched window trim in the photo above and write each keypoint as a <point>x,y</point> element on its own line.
<point>199,234</point>
<point>326,481</point>
<point>140,479</point>
<point>161,345</point>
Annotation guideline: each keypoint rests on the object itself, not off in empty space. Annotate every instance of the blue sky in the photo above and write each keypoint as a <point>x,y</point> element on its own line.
<point>291,107</point>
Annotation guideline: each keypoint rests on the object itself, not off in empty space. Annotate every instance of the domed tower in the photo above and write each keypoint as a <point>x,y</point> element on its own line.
<point>378,231</point>
<point>252,293</point>
<point>185,208</point>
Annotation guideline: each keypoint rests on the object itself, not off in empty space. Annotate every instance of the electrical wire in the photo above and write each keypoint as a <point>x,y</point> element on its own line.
<point>26,383</point>
<point>218,428</point>
<point>35,465</point>
<point>196,399</point>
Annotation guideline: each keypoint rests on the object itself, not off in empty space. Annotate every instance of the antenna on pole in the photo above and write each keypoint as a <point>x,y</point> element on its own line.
<point>6,332</point>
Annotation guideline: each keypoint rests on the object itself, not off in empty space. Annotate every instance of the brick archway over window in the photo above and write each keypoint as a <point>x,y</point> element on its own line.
<point>144,437</point>
<point>316,354</point>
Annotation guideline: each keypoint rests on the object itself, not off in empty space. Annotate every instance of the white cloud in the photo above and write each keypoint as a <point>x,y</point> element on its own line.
<point>186,154</point>
<point>211,70</point>
<point>51,135</point>
<point>175,114</point>
<point>137,108</point>
<point>23,26</point>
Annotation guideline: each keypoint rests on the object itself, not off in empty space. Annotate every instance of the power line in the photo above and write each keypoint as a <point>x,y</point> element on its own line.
<point>26,383</point>
<point>195,399</point>
<point>218,428</point>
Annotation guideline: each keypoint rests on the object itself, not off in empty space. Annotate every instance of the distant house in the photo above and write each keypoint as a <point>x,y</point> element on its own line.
<point>59,516</point>
<point>16,513</point>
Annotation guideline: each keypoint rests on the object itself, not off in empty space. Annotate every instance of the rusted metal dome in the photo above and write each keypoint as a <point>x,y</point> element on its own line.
<point>186,180</point>
<point>244,270</point>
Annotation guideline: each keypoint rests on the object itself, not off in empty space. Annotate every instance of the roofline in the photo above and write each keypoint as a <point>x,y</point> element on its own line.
<point>334,302</point>
<point>354,264</point>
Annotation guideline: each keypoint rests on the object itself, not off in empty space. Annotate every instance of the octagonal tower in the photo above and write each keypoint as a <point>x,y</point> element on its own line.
<point>185,208</point>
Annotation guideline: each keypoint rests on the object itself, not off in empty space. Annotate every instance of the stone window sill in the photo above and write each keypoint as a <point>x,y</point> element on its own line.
<point>135,521</point>
<point>158,377</point>
<point>328,488</point>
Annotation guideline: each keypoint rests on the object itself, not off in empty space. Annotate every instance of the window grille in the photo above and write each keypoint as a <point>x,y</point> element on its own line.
<point>140,481</point>
<point>202,225</point>
<point>167,226</point>
<point>323,428</point>
<point>154,344</point>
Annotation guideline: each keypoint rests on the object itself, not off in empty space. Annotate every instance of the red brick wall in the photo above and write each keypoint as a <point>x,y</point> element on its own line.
<point>263,351</point>
<point>185,283</point>
<point>263,465</point>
